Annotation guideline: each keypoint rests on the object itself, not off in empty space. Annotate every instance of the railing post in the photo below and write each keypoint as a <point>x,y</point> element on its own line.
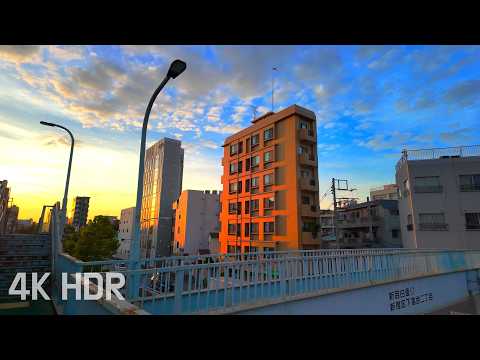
<point>179,277</point>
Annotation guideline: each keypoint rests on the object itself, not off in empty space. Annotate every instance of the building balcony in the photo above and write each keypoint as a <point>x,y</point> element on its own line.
<point>306,159</point>
<point>310,210</point>
<point>470,187</point>
<point>306,135</point>
<point>428,189</point>
<point>308,184</point>
<point>433,227</point>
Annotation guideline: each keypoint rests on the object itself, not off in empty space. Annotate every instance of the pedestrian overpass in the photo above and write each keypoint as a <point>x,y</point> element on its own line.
<point>360,281</point>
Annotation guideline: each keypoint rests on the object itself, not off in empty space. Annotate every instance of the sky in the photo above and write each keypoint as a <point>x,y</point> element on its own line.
<point>370,103</point>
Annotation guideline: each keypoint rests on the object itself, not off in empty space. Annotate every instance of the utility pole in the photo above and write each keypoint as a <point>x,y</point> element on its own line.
<point>341,185</point>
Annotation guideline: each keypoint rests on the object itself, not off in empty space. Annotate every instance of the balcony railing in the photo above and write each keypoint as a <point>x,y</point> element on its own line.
<point>470,187</point>
<point>433,227</point>
<point>428,189</point>
<point>472,226</point>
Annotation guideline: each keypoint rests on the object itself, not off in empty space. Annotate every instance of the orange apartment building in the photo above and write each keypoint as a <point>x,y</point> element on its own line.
<point>270,185</point>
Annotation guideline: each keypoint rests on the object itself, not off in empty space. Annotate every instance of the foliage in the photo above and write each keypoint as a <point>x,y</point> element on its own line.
<point>95,241</point>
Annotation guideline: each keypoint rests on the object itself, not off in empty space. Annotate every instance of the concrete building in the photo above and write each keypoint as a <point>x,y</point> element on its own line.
<point>79,211</point>
<point>125,229</point>
<point>385,192</point>
<point>196,216</point>
<point>161,187</point>
<point>371,224</point>
<point>270,184</point>
<point>440,197</point>
<point>12,219</point>
<point>4,197</point>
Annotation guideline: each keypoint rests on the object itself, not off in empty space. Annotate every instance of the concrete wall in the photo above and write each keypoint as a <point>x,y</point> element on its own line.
<point>451,201</point>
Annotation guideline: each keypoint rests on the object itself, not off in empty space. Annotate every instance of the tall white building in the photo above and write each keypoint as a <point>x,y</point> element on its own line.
<point>125,229</point>
<point>196,216</point>
<point>162,185</point>
<point>439,201</point>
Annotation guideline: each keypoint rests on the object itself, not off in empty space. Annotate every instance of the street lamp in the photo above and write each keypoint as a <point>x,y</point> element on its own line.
<point>65,194</point>
<point>176,68</point>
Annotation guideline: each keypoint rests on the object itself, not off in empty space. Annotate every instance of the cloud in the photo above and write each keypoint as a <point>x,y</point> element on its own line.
<point>464,94</point>
<point>66,53</point>
<point>223,129</point>
<point>457,136</point>
<point>19,54</point>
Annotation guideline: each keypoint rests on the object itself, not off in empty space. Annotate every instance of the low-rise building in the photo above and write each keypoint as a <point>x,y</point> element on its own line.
<point>440,197</point>
<point>385,192</point>
<point>371,224</point>
<point>12,219</point>
<point>196,216</point>
<point>125,230</point>
<point>4,197</point>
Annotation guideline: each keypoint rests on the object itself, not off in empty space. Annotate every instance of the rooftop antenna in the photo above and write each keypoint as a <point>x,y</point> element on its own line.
<point>273,87</point>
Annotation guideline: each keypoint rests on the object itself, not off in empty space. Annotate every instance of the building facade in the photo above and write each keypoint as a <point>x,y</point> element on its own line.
<point>385,192</point>
<point>4,197</point>
<point>372,224</point>
<point>12,219</point>
<point>79,211</point>
<point>270,184</point>
<point>125,229</point>
<point>196,216</point>
<point>162,185</point>
<point>440,197</point>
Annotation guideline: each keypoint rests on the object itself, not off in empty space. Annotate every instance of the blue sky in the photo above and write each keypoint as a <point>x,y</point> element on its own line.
<point>370,102</point>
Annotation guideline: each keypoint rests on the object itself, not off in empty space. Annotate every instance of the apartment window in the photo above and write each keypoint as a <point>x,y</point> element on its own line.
<point>470,182</point>
<point>239,168</point>
<point>233,168</point>
<point>233,149</point>
<point>232,187</point>
<point>255,162</point>
<point>239,208</point>
<point>268,134</point>
<point>246,230</point>
<point>428,184</point>
<point>240,147</point>
<point>269,203</point>
<point>305,200</point>
<point>247,185</point>
<point>247,207</point>
<point>303,125</point>
<point>254,183</point>
<point>432,221</point>
<point>232,229</point>
<point>232,208</point>
<point>254,228</point>
<point>239,186</point>
<point>395,233</point>
<point>267,157</point>
<point>268,227</point>
<point>305,173</point>
<point>268,179</point>
<point>247,164</point>
<point>308,226</point>
<point>255,140</point>
<point>472,221</point>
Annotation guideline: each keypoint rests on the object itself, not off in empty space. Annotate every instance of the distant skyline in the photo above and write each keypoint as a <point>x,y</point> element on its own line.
<point>370,102</point>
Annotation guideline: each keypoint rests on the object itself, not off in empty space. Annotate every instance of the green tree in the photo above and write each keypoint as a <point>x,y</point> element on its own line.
<point>95,241</point>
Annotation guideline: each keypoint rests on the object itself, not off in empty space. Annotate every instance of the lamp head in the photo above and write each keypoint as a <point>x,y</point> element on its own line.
<point>176,68</point>
<point>46,123</point>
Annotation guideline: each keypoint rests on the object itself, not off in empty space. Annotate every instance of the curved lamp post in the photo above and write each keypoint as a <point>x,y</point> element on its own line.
<point>65,194</point>
<point>176,68</point>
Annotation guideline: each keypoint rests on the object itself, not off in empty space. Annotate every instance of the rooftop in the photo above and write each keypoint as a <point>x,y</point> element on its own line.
<point>439,153</point>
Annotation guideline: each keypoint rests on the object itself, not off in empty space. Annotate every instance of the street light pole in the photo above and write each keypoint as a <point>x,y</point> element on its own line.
<point>65,194</point>
<point>176,68</point>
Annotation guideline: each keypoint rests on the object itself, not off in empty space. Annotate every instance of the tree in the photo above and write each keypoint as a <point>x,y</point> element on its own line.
<point>95,241</point>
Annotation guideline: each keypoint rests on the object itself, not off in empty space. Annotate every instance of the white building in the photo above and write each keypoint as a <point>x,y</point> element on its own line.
<point>440,197</point>
<point>125,229</point>
<point>196,217</point>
